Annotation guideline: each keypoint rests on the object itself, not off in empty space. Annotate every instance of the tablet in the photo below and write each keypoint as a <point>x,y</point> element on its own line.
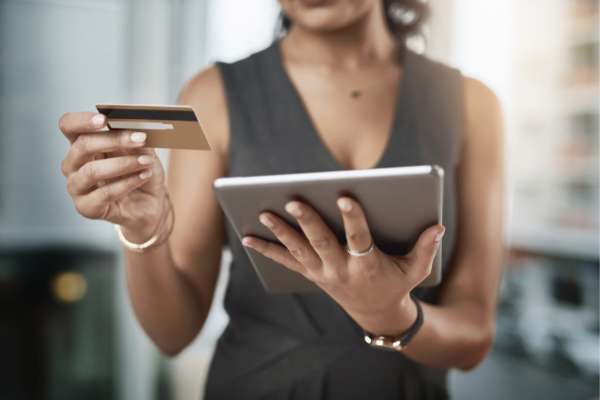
<point>399,204</point>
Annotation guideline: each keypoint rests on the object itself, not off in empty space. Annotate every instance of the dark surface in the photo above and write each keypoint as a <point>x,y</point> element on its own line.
<point>51,349</point>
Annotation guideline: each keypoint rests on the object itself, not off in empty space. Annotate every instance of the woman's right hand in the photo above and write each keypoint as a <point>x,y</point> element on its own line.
<point>111,176</point>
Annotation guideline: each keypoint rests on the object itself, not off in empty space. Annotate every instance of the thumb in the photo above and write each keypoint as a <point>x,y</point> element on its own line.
<point>427,245</point>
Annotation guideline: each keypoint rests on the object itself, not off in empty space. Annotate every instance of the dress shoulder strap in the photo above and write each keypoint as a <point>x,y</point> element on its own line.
<point>436,100</point>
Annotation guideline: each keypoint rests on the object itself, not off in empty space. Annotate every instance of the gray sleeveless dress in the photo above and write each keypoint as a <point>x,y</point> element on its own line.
<point>304,346</point>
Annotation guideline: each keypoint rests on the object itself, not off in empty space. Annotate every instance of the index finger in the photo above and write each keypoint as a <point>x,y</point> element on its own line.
<point>74,123</point>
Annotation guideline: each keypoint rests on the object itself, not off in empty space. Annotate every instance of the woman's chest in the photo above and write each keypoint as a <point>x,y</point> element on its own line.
<point>353,122</point>
<point>354,131</point>
<point>317,129</point>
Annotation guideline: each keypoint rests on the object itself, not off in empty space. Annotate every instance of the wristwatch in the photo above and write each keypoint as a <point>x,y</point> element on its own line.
<point>395,343</point>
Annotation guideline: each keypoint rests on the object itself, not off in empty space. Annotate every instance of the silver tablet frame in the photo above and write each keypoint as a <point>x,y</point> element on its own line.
<point>399,204</point>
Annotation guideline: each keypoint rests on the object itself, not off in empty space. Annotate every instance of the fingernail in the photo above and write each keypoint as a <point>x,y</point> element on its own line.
<point>246,243</point>
<point>138,137</point>
<point>145,159</point>
<point>293,209</point>
<point>145,174</point>
<point>440,235</point>
<point>98,119</point>
<point>266,221</point>
<point>345,205</point>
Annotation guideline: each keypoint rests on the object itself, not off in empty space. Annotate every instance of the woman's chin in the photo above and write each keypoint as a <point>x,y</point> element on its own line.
<point>325,15</point>
<point>323,21</point>
<point>321,27</point>
<point>314,3</point>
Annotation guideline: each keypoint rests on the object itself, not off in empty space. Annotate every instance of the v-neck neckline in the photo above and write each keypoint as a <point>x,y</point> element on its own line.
<point>314,133</point>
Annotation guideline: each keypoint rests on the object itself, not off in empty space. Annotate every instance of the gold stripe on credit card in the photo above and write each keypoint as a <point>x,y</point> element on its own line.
<point>170,127</point>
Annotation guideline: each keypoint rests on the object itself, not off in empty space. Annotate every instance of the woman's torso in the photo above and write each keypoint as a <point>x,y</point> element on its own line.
<point>304,346</point>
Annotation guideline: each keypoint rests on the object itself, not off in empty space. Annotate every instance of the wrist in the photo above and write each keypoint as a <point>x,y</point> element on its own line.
<point>394,322</point>
<point>150,231</point>
<point>397,341</point>
<point>140,232</point>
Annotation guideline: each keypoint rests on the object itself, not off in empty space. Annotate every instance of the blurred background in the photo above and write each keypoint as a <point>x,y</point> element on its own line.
<point>67,330</point>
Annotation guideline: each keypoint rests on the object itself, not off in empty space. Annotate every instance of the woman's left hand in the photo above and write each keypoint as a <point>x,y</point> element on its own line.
<point>373,289</point>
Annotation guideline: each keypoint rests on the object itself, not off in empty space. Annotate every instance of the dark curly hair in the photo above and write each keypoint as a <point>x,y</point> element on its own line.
<point>405,18</point>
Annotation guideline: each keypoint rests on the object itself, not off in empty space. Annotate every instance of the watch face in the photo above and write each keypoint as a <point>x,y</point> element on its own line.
<point>386,347</point>
<point>384,343</point>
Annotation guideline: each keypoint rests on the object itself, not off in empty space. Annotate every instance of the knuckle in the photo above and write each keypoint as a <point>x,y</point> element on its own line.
<point>278,231</point>
<point>321,244</point>
<point>132,182</point>
<point>70,185</point>
<point>90,171</point>
<point>117,165</point>
<point>306,216</point>
<point>300,254</point>
<point>79,207</point>
<point>369,273</point>
<point>116,140</point>
<point>64,166</point>
<point>62,122</point>
<point>123,163</point>
<point>335,275</point>
<point>358,236</point>
<point>82,208</point>
<point>83,143</point>
<point>122,138</point>
<point>107,194</point>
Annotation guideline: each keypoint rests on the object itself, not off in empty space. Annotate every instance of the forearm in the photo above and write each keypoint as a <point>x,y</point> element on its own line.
<point>164,300</point>
<point>458,335</point>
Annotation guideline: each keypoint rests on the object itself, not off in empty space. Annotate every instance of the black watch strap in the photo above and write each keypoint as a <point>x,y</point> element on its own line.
<point>394,342</point>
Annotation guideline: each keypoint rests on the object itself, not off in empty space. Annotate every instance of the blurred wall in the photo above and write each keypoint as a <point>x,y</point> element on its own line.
<point>53,60</point>
<point>67,55</point>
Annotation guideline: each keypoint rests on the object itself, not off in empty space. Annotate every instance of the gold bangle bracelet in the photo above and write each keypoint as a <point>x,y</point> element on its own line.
<point>164,229</point>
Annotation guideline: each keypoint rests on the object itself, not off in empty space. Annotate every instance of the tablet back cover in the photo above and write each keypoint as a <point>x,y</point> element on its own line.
<point>399,204</point>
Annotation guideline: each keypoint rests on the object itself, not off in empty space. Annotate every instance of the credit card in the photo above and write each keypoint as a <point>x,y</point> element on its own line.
<point>169,127</point>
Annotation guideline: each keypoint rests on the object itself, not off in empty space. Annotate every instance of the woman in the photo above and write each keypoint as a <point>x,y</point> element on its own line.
<point>338,91</point>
